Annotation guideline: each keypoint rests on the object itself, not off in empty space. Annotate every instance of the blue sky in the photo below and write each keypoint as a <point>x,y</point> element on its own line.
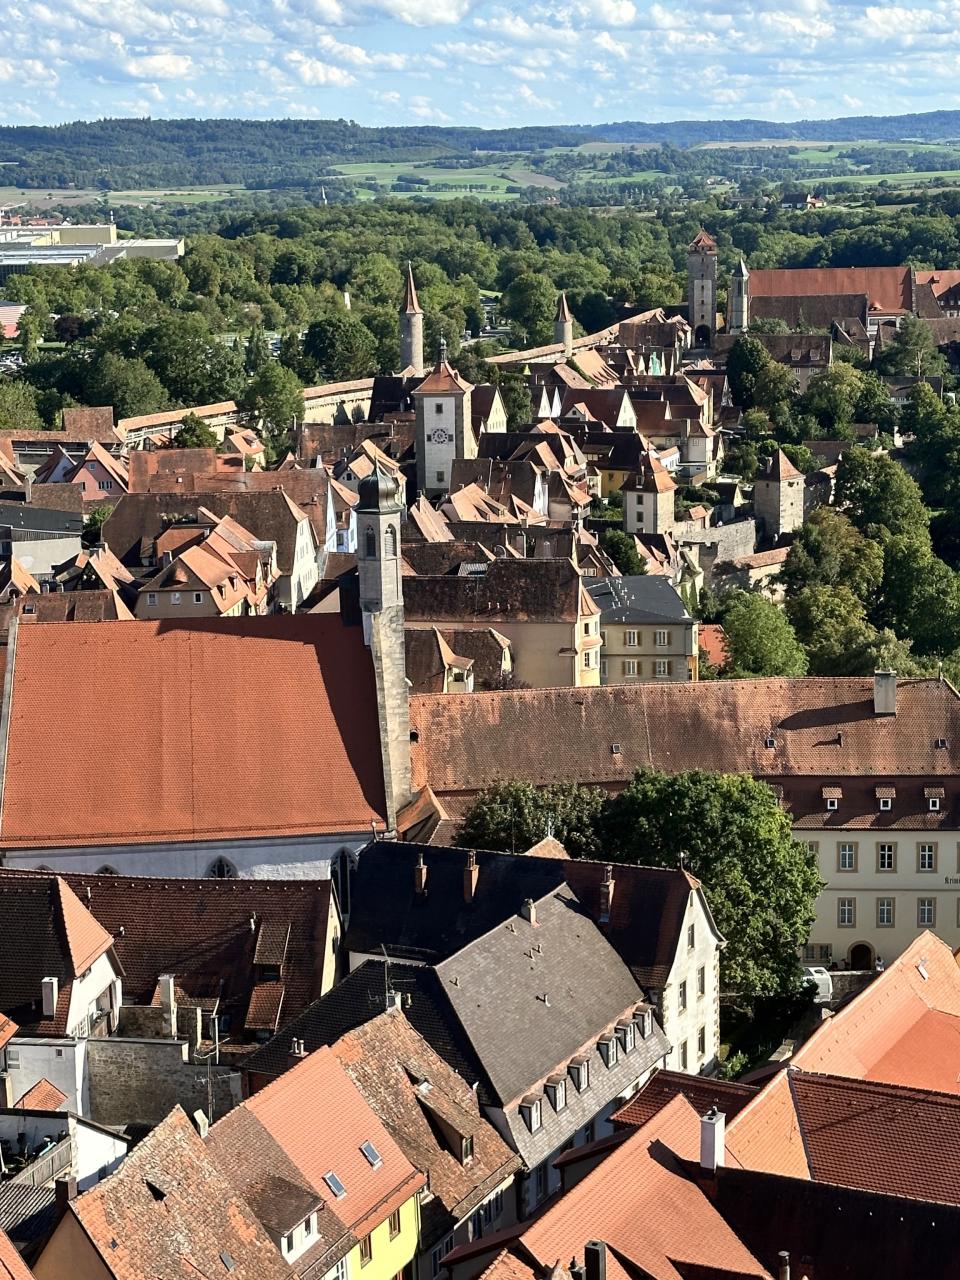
<point>478,62</point>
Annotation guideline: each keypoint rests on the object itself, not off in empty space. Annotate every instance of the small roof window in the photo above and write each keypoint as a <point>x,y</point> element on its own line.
<point>335,1185</point>
<point>372,1155</point>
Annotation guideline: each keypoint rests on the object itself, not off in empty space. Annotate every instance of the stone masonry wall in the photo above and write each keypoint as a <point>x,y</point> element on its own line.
<point>140,1081</point>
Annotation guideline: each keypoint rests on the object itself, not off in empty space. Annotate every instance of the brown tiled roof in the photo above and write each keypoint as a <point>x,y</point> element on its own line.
<point>191,684</point>
<point>44,1096</point>
<point>703,242</point>
<point>411,1088</point>
<point>518,590</point>
<point>13,1267</point>
<point>95,424</point>
<point>890,286</point>
<point>702,1094</point>
<point>853,1133</point>
<point>468,742</point>
<point>74,606</point>
<point>169,1211</point>
<point>443,379</point>
<point>170,417</point>
<point>781,468</point>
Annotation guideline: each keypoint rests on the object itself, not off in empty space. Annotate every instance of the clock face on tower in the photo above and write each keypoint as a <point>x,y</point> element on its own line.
<point>440,436</point>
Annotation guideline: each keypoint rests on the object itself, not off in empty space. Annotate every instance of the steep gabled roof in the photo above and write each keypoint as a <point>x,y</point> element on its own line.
<point>167,1210</point>
<point>410,304</point>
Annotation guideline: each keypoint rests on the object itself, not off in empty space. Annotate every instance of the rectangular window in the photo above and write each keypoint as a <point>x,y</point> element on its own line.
<point>832,803</point>
<point>927,857</point>
<point>436,1257</point>
<point>826,951</point>
<point>630,667</point>
<point>288,1243</point>
<point>151,598</point>
<point>589,1133</point>
<point>886,804</point>
<point>886,857</point>
<point>12,1059</point>
<point>106,485</point>
<point>440,475</point>
<point>661,639</point>
<point>630,639</point>
<point>702,981</point>
<point>701,1043</point>
<point>174,597</point>
<point>885,913</point>
<point>662,667</point>
<point>846,857</point>
<point>682,996</point>
<point>934,804</point>
<point>580,1072</point>
<point>683,1056</point>
<point>198,597</point>
<point>438,408</point>
<point>846,912</point>
<point>394,1224</point>
<point>366,1250</point>
<point>603,668</point>
<point>541,1182</point>
<point>466,1149</point>
<point>926,912</point>
<point>809,951</point>
<point>691,936</point>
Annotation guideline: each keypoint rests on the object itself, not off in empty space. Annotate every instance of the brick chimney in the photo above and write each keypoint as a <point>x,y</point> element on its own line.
<point>420,877</point>
<point>64,1190</point>
<point>606,894</point>
<point>50,988</point>
<point>471,874</point>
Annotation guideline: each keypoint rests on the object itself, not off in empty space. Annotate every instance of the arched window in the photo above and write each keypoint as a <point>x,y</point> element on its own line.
<point>107,871</point>
<point>221,869</point>
<point>391,541</point>
<point>371,543</point>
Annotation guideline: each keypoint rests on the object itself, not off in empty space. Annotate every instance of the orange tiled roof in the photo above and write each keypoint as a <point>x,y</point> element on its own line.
<point>87,940</point>
<point>195,723</point>
<point>44,1096</point>
<point>889,286</point>
<point>12,1266</point>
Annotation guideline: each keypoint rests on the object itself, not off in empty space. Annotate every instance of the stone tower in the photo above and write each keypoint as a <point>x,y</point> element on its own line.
<point>563,325</point>
<point>648,500</point>
<point>411,329</point>
<point>702,288</point>
<point>778,496</point>
<point>443,404</point>
<point>381,602</point>
<point>738,300</point>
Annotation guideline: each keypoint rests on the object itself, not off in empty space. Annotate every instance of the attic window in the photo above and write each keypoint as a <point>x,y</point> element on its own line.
<point>941,744</point>
<point>157,1192</point>
<point>335,1185</point>
<point>616,749</point>
<point>770,742</point>
<point>934,803</point>
<point>644,1022</point>
<point>580,1074</point>
<point>227,1260</point>
<point>886,804</point>
<point>608,1051</point>
<point>532,1112</point>
<point>628,1036</point>
<point>466,1149</point>
<point>371,1154</point>
<point>557,1093</point>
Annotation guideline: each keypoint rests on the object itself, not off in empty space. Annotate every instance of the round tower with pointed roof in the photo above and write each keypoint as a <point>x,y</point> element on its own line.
<point>702,288</point>
<point>563,325</point>
<point>738,302</point>
<point>411,328</point>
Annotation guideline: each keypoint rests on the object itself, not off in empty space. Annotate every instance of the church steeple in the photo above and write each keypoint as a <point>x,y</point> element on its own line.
<point>411,329</point>
<point>563,325</point>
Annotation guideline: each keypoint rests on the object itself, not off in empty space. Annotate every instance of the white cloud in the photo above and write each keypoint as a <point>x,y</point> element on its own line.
<point>314,72</point>
<point>159,66</point>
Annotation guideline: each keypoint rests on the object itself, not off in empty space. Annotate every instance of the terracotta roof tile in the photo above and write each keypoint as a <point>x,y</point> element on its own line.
<point>728,1096</point>
<point>13,1267</point>
<point>200,720</point>
<point>44,1096</point>
<point>890,286</point>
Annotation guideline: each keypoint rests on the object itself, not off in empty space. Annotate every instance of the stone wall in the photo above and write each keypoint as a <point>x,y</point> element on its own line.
<point>722,542</point>
<point>140,1081</point>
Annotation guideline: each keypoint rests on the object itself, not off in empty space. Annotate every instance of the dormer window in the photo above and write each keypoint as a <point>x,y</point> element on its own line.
<point>886,804</point>
<point>466,1149</point>
<point>831,803</point>
<point>580,1075</point>
<point>556,1089</point>
<point>934,797</point>
<point>885,798</point>
<point>831,796</point>
<point>628,1036</point>
<point>531,1109</point>
<point>608,1050</point>
<point>644,1021</point>
<point>934,803</point>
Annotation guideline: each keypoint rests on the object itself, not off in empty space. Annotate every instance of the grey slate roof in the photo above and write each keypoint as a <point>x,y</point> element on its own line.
<point>638,598</point>
<point>531,996</point>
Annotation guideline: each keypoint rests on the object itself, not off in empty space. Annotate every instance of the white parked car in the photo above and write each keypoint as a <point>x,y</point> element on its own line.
<point>823,982</point>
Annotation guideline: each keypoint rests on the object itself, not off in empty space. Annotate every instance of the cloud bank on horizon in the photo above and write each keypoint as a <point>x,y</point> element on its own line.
<point>477,62</point>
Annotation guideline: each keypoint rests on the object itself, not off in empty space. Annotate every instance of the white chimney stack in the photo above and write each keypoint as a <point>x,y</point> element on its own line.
<point>168,1003</point>
<point>529,910</point>
<point>712,1140</point>
<point>884,693</point>
<point>51,991</point>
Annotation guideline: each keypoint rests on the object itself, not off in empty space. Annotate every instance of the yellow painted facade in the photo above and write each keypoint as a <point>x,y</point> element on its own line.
<point>389,1253</point>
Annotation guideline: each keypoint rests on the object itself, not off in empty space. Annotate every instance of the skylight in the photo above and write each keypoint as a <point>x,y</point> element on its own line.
<point>335,1185</point>
<point>373,1157</point>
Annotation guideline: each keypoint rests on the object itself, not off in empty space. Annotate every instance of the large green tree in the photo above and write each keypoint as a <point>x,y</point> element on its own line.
<point>761,884</point>
<point>877,494</point>
<point>760,639</point>
<point>530,303</point>
<point>341,346</point>
<point>747,360</point>
<point>830,551</point>
<point>275,398</point>
<point>126,383</point>
<point>514,816</point>
<point>622,550</point>
<point>18,406</point>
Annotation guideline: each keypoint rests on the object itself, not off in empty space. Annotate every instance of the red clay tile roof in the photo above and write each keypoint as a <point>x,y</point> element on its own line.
<point>169,1211</point>
<point>443,379</point>
<point>87,939</point>
<point>468,742</point>
<point>318,1119</point>
<point>217,715</point>
<point>853,1133</point>
<point>12,1266</point>
<point>8,1029</point>
<point>890,286</point>
<point>640,1202</point>
<point>728,1096</point>
<point>713,641</point>
<point>44,1096</point>
<point>903,1029</point>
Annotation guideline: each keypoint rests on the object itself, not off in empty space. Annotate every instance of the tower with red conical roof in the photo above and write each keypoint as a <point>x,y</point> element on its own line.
<point>411,328</point>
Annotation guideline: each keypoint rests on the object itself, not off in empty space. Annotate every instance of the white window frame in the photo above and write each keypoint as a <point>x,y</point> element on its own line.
<point>630,668</point>
<point>630,639</point>
<point>661,668</point>
<point>661,639</point>
<point>846,906</point>
<point>922,904</point>
<point>151,599</point>
<point>924,851</point>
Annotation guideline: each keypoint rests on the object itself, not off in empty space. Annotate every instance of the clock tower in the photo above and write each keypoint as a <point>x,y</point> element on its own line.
<point>444,425</point>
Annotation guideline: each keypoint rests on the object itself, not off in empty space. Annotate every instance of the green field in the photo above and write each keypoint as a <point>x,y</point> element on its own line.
<point>12,197</point>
